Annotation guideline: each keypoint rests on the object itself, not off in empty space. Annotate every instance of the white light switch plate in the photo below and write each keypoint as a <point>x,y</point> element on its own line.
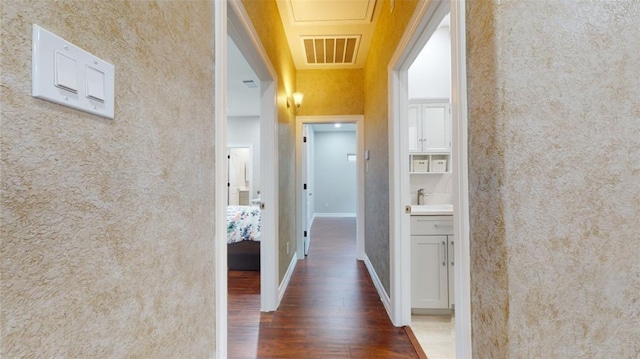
<point>95,93</point>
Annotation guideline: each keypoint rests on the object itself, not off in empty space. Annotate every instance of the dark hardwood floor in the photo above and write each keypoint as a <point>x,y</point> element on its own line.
<point>330,310</point>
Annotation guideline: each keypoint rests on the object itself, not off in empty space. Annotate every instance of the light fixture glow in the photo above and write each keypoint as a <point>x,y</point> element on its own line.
<point>296,98</point>
<point>337,125</point>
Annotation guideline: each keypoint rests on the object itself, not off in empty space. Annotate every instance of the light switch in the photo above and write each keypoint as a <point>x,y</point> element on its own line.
<point>66,76</point>
<point>95,84</point>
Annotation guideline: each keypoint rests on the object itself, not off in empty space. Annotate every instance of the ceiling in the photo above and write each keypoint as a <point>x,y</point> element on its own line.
<point>329,34</point>
<point>320,28</point>
<point>242,100</point>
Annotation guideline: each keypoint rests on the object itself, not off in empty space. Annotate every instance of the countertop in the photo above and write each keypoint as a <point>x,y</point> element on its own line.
<point>432,210</point>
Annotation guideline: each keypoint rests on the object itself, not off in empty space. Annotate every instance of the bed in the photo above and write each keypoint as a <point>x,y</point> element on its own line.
<point>243,238</point>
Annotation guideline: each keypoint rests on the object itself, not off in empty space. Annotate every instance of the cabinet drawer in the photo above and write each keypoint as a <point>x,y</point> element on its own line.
<point>426,225</point>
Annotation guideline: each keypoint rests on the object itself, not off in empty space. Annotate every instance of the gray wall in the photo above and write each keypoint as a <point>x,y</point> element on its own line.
<point>334,177</point>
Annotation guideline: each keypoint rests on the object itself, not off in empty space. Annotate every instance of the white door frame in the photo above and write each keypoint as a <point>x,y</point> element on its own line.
<point>300,200</point>
<point>423,23</point>
<point>231,19</point>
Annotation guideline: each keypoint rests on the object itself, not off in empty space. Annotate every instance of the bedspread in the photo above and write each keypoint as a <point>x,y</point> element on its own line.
<point>243,223</point>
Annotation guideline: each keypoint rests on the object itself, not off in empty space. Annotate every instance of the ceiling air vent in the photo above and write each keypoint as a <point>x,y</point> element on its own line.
<point>323,50</point>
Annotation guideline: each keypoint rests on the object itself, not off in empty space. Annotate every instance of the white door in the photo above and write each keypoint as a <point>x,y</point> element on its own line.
<point>435,129</point>
<point>429,282</point>
<point>232,182</point>
<point>310,178</point>
<point>308,192</point>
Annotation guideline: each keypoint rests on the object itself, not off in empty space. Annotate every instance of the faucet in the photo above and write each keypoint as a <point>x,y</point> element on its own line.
<point>421,195</point>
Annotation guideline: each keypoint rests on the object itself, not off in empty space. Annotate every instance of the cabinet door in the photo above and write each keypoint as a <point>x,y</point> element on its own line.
<point>429,286</point>
<point>450,254</point>
<point>415,128</point>
<point>435,127</point>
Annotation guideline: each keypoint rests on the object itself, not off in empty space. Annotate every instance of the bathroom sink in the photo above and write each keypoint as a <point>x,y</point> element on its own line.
<point>432,209</point>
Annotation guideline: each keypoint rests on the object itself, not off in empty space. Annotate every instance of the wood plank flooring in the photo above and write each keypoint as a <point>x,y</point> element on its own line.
<point>330,310</point>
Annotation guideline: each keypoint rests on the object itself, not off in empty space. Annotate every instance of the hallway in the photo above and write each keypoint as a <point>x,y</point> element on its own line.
<point>330,310</point>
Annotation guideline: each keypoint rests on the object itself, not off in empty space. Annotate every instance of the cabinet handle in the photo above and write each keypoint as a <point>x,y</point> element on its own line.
<point>452,251</point>
<point>444,254</point>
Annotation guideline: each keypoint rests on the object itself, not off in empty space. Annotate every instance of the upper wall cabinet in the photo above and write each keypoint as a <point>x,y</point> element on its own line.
<point>429,127</point>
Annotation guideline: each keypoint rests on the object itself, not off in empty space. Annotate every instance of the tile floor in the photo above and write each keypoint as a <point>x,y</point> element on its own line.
<point>436,334</point>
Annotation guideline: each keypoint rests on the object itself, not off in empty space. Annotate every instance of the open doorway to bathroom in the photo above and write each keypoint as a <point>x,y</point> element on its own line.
<point>434,237</point>
<point>430,186</point>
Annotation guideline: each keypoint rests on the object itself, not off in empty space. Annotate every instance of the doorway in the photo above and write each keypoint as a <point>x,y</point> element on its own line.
<point>426,19</point>
<point>305,198</point>
<point>329,169</point>
<point>240,176</point>
<point>430,186</point>
<point>232,22</point>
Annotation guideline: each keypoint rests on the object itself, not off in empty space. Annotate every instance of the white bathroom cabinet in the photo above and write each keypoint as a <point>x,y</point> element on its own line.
<point>429,137</point>
<point>429,127</point>
<point>432,278</point>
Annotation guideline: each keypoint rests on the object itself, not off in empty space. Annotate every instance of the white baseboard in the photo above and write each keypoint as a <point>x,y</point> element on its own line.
<point>384,297</point>
<point>334,215</point>
<point>287,277</point>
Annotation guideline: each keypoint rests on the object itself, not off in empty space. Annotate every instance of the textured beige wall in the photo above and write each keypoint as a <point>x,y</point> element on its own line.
<point>489,277</point>
<point>388,32</point>
<point>331,92</point>
<point>266,20</point>
<point>107,226</point>
<point>554,129</point>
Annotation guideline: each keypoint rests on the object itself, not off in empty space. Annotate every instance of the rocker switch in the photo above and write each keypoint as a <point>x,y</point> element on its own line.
<point>66,75</point>
<point>95,84</point>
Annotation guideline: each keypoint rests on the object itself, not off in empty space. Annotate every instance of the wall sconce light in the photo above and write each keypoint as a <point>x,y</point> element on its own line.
<point>296,98</point>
